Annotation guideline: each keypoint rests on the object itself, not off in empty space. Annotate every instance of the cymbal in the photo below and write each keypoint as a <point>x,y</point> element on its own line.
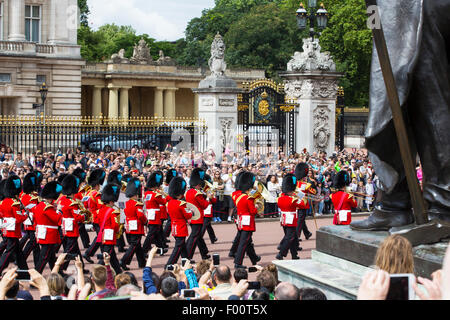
<point>195,212</point>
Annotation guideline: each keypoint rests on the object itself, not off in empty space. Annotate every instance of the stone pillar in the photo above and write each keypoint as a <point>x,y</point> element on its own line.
<point>159,102</point>
<point>124,102</point>
<point>196,106</point>
<point>97,101</point>
<point>169,102</point>
<point>16,20</point>
<point>113,106</point>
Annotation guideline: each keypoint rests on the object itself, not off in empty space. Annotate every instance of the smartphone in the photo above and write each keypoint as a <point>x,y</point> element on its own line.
<point>400,287</point>
<point>23,275</point>
<point>255,285</point>
<point>183,261</point>
<point>169,267</point>
<point>161,251</point>
<point>216,259</point>
<point>71,256</point>
<point>252,269</point>
<point>188,293</point>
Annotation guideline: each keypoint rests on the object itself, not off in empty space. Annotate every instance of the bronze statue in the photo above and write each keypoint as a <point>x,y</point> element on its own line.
<point>417,34</point>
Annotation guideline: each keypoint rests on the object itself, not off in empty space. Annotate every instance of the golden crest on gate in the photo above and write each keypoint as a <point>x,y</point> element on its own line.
<point>263,105</point>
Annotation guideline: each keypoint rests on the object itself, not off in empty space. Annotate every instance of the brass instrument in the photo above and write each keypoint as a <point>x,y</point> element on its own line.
<point>121,225</point>
<point>162,192</point>
<point>355,194</point>
<point>260,194</point>
<point>86,188</point>
<point>124,186</point>
<point>209,189</point>
<point>88,217</point>
<point>306,196</point>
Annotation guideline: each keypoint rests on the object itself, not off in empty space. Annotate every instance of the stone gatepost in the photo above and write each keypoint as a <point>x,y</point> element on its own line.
<point>312,81</point>
<point>217,102</point>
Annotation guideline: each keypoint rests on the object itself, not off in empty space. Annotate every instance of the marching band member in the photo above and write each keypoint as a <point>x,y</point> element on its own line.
<point>30,198</point>
<point>154,201</point>
<point>289,203</point>
<point>71,217</point>
<point>108,218</point>
<point>47,221</point>
<point>301,173</point>
<point>170,174</point>
<point>179,215</point>
<point>246,220</point>
<point>195,196</point>
<point>83,190</point>
<point>208,216</point>
<point>134,224</point>
<point>116,178</point>
<point>92,201</point>
<point>234,196</point>
<point>342,201</point>
<point>13,217</point>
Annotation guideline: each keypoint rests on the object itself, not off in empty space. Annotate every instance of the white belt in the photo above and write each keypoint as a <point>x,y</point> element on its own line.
<point>44,226</point>
<point>287,212</point>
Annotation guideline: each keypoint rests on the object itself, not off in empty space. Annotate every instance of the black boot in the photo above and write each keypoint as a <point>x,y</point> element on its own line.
<point>383,220</point>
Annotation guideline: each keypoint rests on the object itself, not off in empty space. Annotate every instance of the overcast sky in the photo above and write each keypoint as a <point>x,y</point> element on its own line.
<point>160,19</point>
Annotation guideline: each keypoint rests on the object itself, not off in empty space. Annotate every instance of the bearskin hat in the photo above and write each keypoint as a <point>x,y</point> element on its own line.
<point>236,182</point>
<point>13,187</point>
<point>177,186</point>
<point>80,173</point>
<point>197,177</point>
<point>171,173</point>
<point>61,177</point>
<point>39,176</point>
<point>114,177</point>
<point>246,181</point>
<point>30,183</point>
<point>134,188</point>
<point>2,189</point>
<point>70,184</point>
<point>208,178</point>
<point>341,179</point>
<point>126,177</point>
<point>110,193</point>
<point>301,170</point>
<point>97,177</point>
<point>155,180</point>
<point>51,190</point>
<point>289,183</point>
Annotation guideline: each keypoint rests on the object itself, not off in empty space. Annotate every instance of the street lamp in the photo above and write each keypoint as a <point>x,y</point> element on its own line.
<point>340,103</point>
<point>321,16</point>
<point>43,91</point>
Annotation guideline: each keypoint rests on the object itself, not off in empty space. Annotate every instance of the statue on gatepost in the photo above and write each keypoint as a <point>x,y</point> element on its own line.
<point>217,63</point>
<point>141,53</point>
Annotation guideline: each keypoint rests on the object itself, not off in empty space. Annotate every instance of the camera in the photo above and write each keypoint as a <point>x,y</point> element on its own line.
<point>255,285</point>
<point>252,269</point>
<point>23,275</point>
<point>169,267</point>
<point>188,293</point>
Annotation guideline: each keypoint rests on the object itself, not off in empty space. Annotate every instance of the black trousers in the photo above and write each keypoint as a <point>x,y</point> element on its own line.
<point>235,243</point>
<point>134,246</point>
<point>71,246</point>
<point>84,236</point>
<point>109,249</point>
<point>245,246</point>
<point>121,242</point>
<point>29,244</point>
<point>12,248</point>
<point>94,245</point>
<point>289,242</point>
<point>208,227</point>
<point>196,239</point>
<point>301,224</point>
<point>167,227</point>
<point>3,245</point>
<point>154,235</point>
<point>47,255</point>
<point>179,249</point>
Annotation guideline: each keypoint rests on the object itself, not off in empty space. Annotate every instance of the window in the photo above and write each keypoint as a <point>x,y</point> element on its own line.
<point>40,78</point>
<point>5,77</point>
<point>32,23</point>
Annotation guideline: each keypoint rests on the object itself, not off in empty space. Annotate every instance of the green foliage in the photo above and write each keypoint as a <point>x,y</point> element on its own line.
<point>84,12</point>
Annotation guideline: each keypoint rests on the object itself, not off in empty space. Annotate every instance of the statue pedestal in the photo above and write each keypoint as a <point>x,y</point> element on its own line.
<point>315,92</point>
<point>218,107</point>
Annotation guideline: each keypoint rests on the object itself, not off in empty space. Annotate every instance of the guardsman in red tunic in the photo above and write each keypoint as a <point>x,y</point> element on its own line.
<point>196,197</point>
<point>301,173</point>
<point>134,224</point>
<point>289,203</point>
<point>165,217</point>
<point>82,191</point>
<point>234,196</point>
<point>47,220</point>
<point>154,201</point>
<point>342,201</point>
<point>30,198</point>
<point>72,216</point>
<point>179,216</point>
<point>246,220</point>
<point>208,215</point>
<point>13,217</point>
<point>115,177</point>
<point>109,219</point>
<point>93,203</point>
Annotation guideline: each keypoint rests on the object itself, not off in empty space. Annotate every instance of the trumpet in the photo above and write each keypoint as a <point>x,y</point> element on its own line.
<point>306,196</point>
<point>209,188</point>
<point>88,218</point>
<point>356,194</point>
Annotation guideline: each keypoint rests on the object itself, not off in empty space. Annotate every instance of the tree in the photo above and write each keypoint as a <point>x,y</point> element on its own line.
<point>84,12</point>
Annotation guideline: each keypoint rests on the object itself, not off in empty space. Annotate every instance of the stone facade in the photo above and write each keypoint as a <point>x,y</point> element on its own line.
<point>47,53</point>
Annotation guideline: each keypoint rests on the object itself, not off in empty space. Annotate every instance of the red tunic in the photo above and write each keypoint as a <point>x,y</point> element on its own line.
<point>289,206</point>
<point>154,202</point>
<point>47,221</point>
<point>246,211</point>
<point>135,219</point>
<point>179,215</point>
<point>208,212</point>
<point>343,214</point>
<point>94,204</point>
<point>71,217</point>
<point>198,199</point>
<point>28,200</point>
<point>307,189</point>
<point>108,235</point>
<point>234,197</point>
<point>13,217</point>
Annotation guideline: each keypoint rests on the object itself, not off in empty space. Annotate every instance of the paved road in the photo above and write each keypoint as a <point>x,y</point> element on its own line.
<point>266,239</point>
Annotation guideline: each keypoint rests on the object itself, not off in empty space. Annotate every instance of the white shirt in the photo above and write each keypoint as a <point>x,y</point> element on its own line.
<point>274,189</point>
<point>229,184</point>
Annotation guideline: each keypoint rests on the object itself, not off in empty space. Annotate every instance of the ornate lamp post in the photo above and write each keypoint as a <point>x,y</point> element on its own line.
<point>321,16</point>
<point>341,119</point>
<point>43,91</point>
